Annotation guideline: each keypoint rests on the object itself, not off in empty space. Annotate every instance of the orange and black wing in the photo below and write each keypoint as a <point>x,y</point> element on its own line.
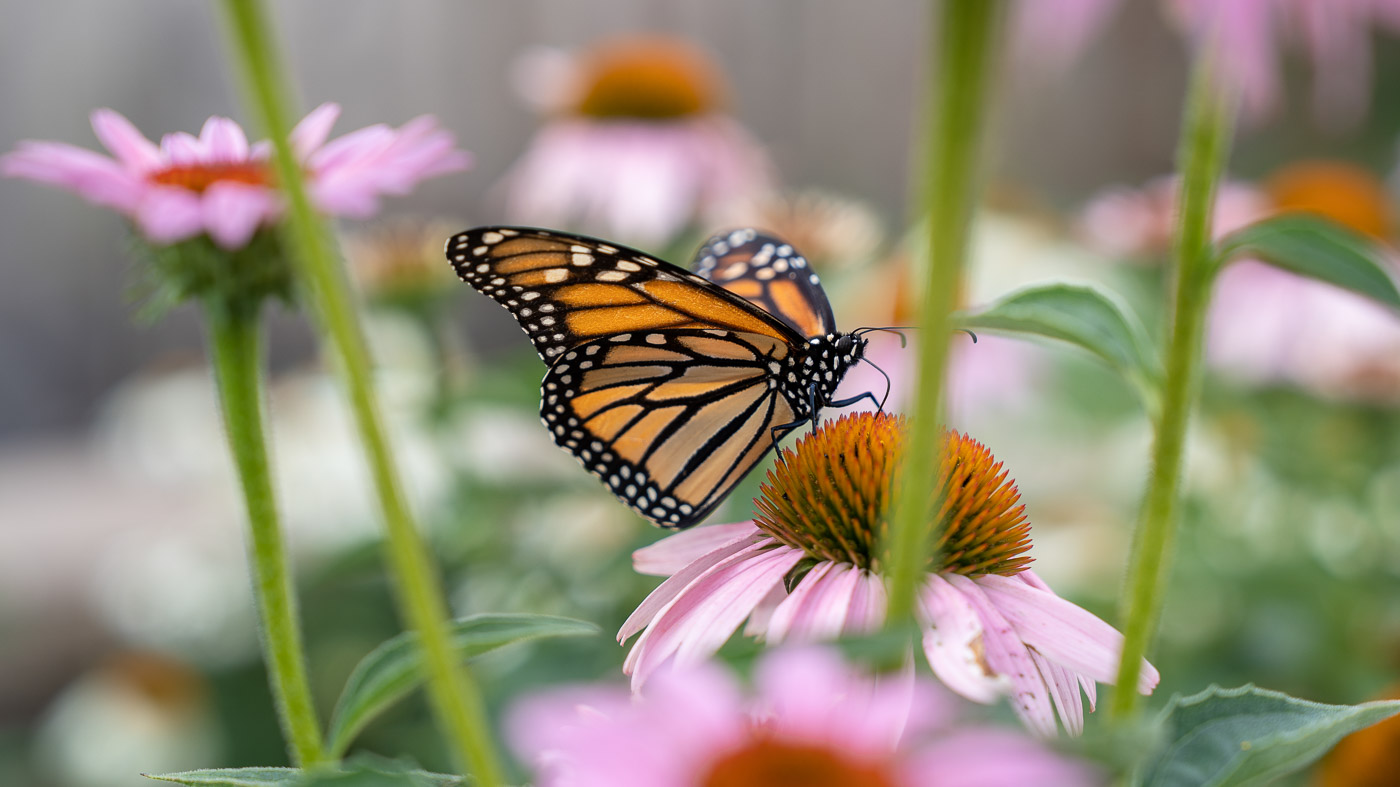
<point>770,273</point>
<point>566,290</point>
<point>669,421</point>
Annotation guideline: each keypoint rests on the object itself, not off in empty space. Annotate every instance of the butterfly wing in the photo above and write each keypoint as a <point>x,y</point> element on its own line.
<point>768,272</point>
<point>566,290</point>
<point>669,421</point>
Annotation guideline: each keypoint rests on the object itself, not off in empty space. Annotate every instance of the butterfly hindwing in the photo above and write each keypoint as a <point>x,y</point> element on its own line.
<point>669,421</point>
<point>769,272</point>
<point>566,290</point>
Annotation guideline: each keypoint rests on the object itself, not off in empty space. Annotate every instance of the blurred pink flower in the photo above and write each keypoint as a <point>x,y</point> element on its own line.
<point>1136,224</point>
<point>1049,37</point>
<point>1335,33</point>
<point>1269,325</point>
<point>993,374</point>
<point>636,148</point>
<point>994,628</point>
<point>812,721</point>
<point>217,183</point>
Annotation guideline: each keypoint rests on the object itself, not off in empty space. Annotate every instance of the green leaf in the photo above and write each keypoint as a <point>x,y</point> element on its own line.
<point>1084,316</point>
<point>358,772</point>
<point>394,668</point>
<point>1249,736</point>
<point>1315,247</point>
<point>232,777</point>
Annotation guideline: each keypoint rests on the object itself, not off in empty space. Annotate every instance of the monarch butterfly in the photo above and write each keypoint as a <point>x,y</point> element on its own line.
<point>667,385</point>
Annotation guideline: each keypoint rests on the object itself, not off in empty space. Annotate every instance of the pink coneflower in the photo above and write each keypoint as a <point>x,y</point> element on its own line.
<point>219,184</point>
<point>812,722</point>
<point>1135,224</point>
<point>1266,324</point>
<point>807,567</point>
<point>637,147</point>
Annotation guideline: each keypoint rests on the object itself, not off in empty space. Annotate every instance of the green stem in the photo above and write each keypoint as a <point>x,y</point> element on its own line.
<point>1205,142</point>
<point>234,336</point>
<point>454,695</point>
<point>958,86</point>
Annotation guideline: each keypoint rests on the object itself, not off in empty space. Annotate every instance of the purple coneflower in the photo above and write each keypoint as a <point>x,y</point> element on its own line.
<point>813,722</point>
<point>808,567</point>
<point>219,184</point>
<point>637,146</point>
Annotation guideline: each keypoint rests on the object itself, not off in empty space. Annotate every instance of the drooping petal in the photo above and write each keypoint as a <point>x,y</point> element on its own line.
<point>953,643</point>
<point>1065,633</point>
<point>1006,654</point>
<point>788,610</point>
<point>125,141</point>
<point>234,211</point>
<point>667,591</point>
<point>170,215</point>
<point>674,553</point>
<point>706,613</point>
<point>92,176</point>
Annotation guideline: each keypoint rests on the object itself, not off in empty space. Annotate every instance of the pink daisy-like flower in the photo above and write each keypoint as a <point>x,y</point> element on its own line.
<point>1266,324</point>
<point>637,147</point>
<point>219,184</point>
<point>813,722</point>
<point>1136,224</point>
<point>807,568</point>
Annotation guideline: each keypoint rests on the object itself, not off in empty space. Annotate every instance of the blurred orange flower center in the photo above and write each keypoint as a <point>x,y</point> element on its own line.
<point>651,78</point>
<point>198,177</point>
<point>769,763</point>
<point>1345,193</point>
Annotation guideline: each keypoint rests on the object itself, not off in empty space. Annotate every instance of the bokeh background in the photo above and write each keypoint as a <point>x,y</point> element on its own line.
<point>124,611</point>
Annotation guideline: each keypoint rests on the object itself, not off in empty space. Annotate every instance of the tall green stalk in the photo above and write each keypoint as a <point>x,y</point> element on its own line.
<point>959,82</point>
<point>238,369</point>
<point>1204,149</point>
<point>454,695</point>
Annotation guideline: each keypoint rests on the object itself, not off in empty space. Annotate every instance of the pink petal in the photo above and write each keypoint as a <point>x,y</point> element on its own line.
<point>314,129</point>
<point>1007,655</point>
<point>702,617</point>
<point>868,602</point>
<point>988,757</point>
<point>1065,633</point>
<point>182,149</point>
<point>92,176</point>
<point>673,553</point>
<point>1064,691</point>
<point>130,146</point>
<point>234,211</point>
<point>953,643</point>
<point>223,140</point>
<point>169,215</point>
<point>667,591</point>
<point>788,609</point>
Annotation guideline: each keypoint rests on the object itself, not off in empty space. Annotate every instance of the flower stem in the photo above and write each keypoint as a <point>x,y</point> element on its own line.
<point>958,88</point>
<point>1204,149</point>
<point>234,336</point>
<point>454,695</point>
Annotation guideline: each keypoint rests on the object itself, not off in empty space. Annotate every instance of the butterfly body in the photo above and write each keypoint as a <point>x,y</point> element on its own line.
<point>664,384</point>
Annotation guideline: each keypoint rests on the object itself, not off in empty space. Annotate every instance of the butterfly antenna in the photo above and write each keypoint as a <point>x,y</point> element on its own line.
<point>897,330</point>
<point>888,385</point>
<point>969,333</point>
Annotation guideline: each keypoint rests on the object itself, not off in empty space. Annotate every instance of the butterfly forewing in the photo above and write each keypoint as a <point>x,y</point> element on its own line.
<point>768,272</point>
<point>565,290</point>
<point>669,421</point>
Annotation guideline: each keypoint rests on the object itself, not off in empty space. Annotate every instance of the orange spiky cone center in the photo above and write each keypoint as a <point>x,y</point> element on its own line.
<point>198,177</point>
<point>831,498</point>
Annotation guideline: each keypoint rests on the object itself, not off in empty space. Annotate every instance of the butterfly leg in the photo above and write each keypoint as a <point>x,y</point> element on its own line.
<point>854,399</point>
